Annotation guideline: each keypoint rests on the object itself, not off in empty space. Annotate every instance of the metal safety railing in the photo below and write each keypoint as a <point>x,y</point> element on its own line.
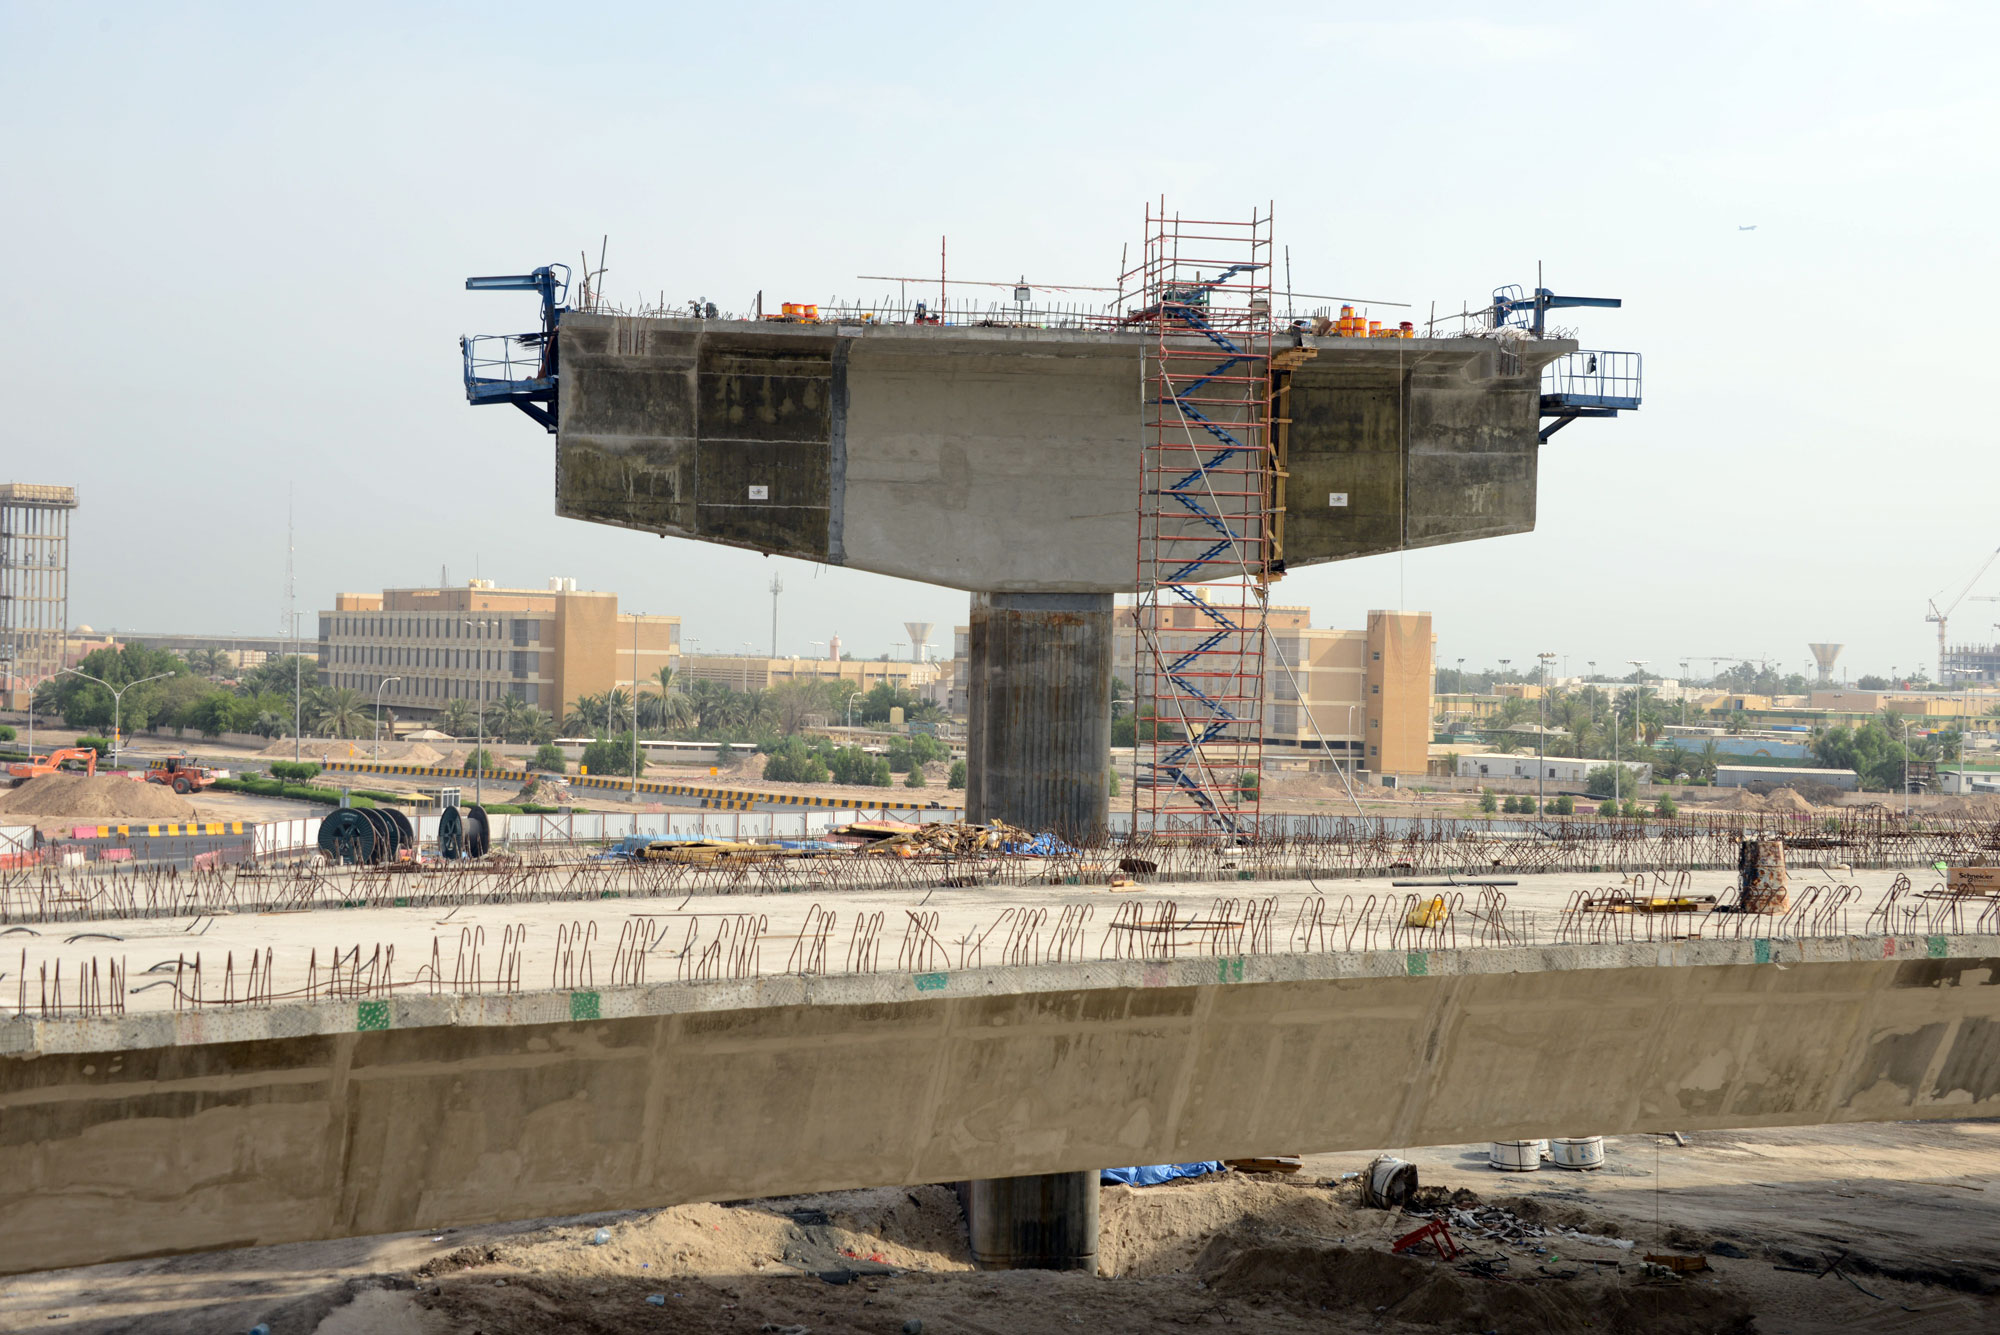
<point>1594,379</point>
<point>499,365</point>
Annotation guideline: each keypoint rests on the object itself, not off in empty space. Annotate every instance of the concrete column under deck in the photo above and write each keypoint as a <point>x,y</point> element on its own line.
<point>1039,735</point>
<point>1037,745</point>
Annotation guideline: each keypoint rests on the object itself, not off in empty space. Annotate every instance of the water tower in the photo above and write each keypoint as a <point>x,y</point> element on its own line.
<point>1824,655</point>
<point>920,639</point>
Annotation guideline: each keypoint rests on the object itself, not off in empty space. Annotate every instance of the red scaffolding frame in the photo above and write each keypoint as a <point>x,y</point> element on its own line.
<point>1205,522</point>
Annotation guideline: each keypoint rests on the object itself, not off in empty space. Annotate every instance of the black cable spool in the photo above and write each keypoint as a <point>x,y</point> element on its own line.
<point>405,834</point>
<point>345,835</point>
<point>451,834</point>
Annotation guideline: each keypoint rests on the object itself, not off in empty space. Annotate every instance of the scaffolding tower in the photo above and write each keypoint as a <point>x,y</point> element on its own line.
<point>1207,536</point>
<point>34,584</point>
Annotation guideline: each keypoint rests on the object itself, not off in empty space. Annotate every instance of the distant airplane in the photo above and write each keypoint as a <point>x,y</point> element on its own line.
<point>1751,228</point>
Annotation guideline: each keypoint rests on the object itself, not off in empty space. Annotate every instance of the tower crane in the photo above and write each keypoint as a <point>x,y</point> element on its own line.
<point>1943,615</point>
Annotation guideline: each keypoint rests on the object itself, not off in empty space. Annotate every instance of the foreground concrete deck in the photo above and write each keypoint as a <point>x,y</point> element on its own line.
<point>159,1131</point>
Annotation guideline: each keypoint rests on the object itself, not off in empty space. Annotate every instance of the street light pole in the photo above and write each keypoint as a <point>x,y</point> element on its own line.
<point>298,689</point>
<point>117,702</point>
<point>634,797</point>
<point>1638,700</point>
<point>376,750</point>
<point>1542,739</point>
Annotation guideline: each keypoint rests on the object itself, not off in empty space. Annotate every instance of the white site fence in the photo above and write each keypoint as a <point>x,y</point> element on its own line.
<point>594,827</point>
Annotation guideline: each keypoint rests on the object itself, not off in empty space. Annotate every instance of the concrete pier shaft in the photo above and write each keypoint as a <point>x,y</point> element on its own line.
<point>1044,1222</point>
<point>1037,744</point>
<point>1038,739</point>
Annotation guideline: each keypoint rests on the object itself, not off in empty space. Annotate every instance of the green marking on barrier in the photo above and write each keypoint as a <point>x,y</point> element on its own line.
<point>1229,969</point>
<point>583,1006</point>
<point>371,1015</point>
<point>930,982</point>
<point>1762,947</point>
<point>401,902</point>
<point>1418,964</point>
<point>1936,944</point>
<point>1246,875</point>
<point>354,903</point>
<point>607,894</point>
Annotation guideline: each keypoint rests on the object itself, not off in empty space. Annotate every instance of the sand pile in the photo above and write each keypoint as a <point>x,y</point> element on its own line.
<point>95,797</point>
<point>1787,799</point>
<point>338,748</point>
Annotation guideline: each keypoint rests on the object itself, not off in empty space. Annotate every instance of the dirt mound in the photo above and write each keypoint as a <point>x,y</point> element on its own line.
<point>545,794</point>
<point>95,797</point>
<point>342,748</point>
<point>1161,1230</point>
<point>915,1228</point>
<point>1425,1292</point>
<point>1787,799</point>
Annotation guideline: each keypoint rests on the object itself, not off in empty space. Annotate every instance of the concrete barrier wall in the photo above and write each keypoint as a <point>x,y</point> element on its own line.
<point>140,1135</point>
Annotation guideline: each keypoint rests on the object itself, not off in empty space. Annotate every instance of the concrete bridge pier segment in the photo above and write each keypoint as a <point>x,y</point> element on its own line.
<point>1037,743</point>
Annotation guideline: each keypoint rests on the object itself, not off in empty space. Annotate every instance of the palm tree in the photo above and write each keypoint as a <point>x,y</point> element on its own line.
<point>210,663</point>
<point>457,718</point>
<point>516,721</point>
<point>341,712</point>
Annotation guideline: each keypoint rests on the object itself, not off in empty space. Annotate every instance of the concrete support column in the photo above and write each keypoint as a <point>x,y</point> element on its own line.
<point>1037,744</point>
<point>1039,735</point>
<point>1044,1222</point>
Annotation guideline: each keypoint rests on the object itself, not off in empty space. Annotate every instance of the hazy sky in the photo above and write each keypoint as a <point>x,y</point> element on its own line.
<point>237,238</point>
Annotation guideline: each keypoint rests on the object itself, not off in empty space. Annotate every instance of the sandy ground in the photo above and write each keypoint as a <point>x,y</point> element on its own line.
<point>1907,1211</point>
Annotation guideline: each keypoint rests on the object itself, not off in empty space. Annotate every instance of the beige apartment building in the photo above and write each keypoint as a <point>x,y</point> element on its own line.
<point>756,673</point>
<point>1361,697</point>
<point>478,641</point>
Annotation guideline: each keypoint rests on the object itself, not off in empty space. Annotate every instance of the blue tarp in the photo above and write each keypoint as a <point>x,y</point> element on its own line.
<point>1042,845</point>
<point>1152,1175</point>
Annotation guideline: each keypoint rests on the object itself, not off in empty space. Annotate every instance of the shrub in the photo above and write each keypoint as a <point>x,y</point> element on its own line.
<point>1487,802</point>
<point>1665,806</point>
<point>916,779</point>
<point>956,779</point>
<point>1631,806</point>
<point>608,755</point>
<point>550,758</point>
<point>101,745</point>
<point>1607,808</point>
<point>1111,781</point>
<point>1564,806</point>
<point>7,734</point>
<point>294,771</point>
<point>1246,786</point>
<point>482,758</point>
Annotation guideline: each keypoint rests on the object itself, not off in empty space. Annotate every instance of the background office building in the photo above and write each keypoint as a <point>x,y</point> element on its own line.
<point>1362,697</point>
<point>546,647</point>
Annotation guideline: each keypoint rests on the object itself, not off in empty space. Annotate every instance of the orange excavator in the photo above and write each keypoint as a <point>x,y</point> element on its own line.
<point>36,766</point>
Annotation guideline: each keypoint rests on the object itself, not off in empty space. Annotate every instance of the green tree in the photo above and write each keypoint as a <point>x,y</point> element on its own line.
<point>1666,806</point>
<point>457,718</point>
<point>479,758</point>
<point>340,711</point>
<point>550,759</point>
<point>608,755</point>
<point>1247,786</point>
<point>956,779</point>
<point>1604,780</point>
<point>1564,805</point>
<point>1110,779</point>
<point>916,778</point>
<point>1607,808</point>
<point>1487,802</point>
